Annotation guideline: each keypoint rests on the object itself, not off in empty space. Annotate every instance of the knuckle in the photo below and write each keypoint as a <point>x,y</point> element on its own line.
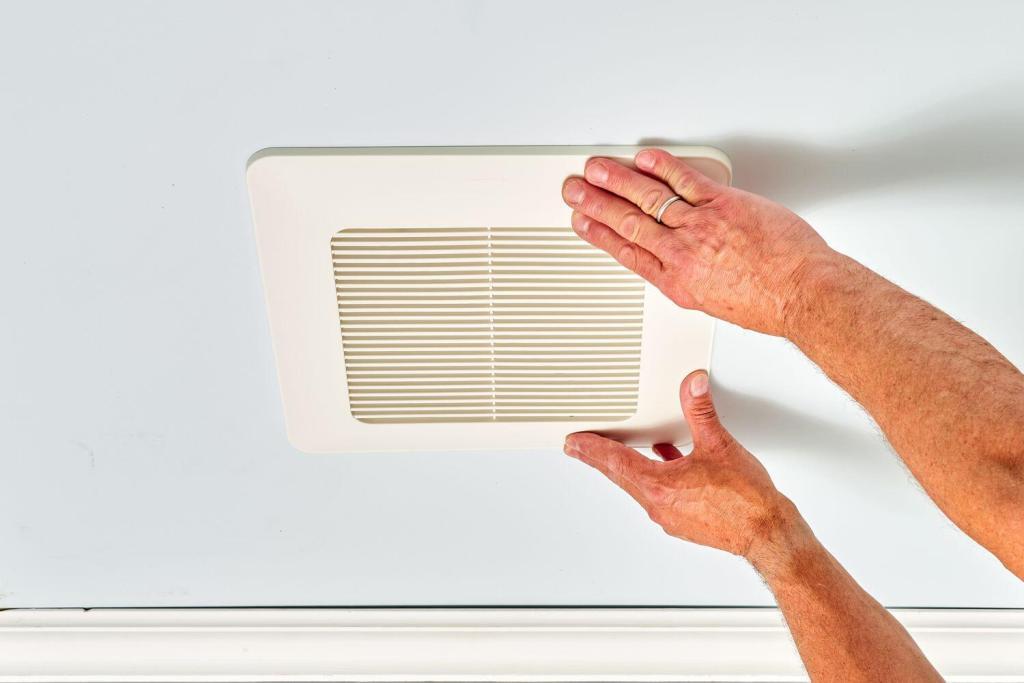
<point>704,411</point>
<point>650,200</point>
<point>630,224</point>
<point>681,178</point>
<point>591,203</point>
<point>644,272</point>
<point>702,223</point>
<point>675,215</point>
<point>721,211</point>
<point>725,202</point>
<point>680,265</point>
<point>628,256</point>
<point>649,269</point>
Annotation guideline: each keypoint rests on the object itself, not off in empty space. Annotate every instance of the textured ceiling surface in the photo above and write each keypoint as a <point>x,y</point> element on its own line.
<point>143,452</point>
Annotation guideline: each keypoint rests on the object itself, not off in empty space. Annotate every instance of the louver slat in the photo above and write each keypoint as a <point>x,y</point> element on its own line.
<point>485,324</point>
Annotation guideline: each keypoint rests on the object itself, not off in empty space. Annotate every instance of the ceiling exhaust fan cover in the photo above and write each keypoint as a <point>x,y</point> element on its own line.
<point>437,299</point>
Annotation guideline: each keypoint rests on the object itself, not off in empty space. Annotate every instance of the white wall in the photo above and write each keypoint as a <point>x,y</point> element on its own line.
<point>142,450</point>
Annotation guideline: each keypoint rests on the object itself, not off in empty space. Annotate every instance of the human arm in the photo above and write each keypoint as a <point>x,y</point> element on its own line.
<point>721,496</point>
<point>950,404</point>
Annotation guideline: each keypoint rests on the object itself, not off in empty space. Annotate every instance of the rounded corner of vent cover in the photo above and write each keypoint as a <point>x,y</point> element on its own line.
<point>463,312</point>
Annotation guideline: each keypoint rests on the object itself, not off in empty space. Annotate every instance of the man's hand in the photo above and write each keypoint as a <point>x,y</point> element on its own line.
<point>719,495</point>
<point>732,254</point>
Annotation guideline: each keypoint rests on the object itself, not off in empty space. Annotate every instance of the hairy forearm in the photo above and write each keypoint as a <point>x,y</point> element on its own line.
<point>841,632</point>
<point>949,403</point>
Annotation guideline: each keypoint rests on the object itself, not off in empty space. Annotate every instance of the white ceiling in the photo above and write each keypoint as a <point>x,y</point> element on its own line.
<point>143,453</point>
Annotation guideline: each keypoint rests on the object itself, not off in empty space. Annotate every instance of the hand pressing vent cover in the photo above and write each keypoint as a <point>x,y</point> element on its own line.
<point>437,299</point>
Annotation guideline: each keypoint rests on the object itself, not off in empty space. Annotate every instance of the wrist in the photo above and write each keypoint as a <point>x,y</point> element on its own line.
<point>823,278</point>
<point>782,543</point>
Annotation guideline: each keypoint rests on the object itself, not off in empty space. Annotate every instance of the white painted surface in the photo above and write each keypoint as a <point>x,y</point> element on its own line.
<point>464,645</point>
<point>144,460</point>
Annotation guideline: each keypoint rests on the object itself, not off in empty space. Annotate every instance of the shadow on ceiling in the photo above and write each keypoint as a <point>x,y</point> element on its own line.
<point>978,135</point>
<point>761,423</point>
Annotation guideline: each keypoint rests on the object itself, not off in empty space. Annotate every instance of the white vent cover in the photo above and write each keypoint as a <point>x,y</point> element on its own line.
<point>436,299</point>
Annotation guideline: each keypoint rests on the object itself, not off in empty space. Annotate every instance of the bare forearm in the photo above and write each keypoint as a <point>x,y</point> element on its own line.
<point>949,403</point>
<point>841,632</point>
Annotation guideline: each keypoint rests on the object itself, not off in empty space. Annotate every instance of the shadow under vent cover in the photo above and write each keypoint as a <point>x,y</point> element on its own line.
<point>486,324</point>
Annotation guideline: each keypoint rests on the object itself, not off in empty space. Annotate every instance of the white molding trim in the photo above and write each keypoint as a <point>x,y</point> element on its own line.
<point>455,644</point>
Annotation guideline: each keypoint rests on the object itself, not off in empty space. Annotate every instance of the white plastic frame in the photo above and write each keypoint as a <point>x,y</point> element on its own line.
<point>302,197</point>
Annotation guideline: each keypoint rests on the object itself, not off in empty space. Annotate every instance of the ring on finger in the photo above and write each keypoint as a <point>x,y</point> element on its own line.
<point>664,205</point>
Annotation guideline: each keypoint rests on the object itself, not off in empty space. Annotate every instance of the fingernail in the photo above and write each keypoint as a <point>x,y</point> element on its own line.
<point>574,192</point>
<point>596,173</point>
<point>645,161</point>
<point>570,451</point>
<point>699,385</point>
<point>581,224</point>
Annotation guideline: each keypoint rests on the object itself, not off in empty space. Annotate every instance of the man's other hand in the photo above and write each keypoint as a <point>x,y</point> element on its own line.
<point>732,254</point>
<point>719,495</point>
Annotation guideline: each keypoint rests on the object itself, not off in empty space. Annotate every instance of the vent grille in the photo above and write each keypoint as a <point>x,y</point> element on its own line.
<point>484,325</point>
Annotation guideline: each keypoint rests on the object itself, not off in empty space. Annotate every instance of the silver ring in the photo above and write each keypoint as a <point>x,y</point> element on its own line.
<point>664,205</point>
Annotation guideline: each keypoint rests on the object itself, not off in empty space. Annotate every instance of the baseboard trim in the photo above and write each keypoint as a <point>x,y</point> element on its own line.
<point>410,644</point>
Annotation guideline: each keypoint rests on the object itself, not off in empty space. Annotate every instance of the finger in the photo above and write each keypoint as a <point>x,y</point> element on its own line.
<point>643,190</point>
<point>636,258</point>
<point>667,451</point>
<point>623,465</point>
<point>621,216</point>
<point>689,183</point>
<point>700,413</point>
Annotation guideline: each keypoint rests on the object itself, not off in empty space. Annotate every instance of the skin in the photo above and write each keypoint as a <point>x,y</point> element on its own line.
<point>721,496</point>
<point>950,404</point>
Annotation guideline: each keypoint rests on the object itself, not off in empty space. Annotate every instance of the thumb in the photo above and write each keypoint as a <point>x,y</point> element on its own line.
<point>695,396</point>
